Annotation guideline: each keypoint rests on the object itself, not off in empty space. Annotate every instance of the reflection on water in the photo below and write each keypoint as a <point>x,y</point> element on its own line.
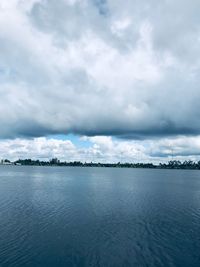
<point>99,217</point>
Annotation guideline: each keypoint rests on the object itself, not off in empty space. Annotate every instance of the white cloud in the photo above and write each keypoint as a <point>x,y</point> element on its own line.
<point>42,148</point>
<point>103,149</point>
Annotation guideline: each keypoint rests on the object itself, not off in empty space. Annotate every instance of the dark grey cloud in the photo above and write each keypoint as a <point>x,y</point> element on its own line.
<point>96,67</point>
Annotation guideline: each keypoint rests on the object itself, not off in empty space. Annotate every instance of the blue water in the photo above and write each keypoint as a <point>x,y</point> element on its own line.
<point>99,217</point>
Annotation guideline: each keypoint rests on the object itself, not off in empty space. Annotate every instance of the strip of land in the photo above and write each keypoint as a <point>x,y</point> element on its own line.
<point>173,164</point>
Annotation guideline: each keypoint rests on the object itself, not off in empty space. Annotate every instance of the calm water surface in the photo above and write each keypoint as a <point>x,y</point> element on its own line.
<point>99,217</point>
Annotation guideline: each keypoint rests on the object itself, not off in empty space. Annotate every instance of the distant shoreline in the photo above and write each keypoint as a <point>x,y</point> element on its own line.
<point>173,164</point>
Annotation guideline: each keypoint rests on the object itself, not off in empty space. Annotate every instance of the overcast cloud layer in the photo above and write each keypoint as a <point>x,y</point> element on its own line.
<point>101,67</point>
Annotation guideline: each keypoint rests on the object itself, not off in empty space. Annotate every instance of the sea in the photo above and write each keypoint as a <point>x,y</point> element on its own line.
<point>99,217</point>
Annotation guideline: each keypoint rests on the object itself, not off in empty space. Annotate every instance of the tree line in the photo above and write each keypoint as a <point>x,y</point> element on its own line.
<point>173,164</point>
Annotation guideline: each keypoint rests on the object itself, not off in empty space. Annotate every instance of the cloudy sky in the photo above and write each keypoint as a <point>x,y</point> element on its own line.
<point>100,80</point>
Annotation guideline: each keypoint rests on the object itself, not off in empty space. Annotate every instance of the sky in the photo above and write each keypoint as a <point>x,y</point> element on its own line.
<point>100,80</point>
